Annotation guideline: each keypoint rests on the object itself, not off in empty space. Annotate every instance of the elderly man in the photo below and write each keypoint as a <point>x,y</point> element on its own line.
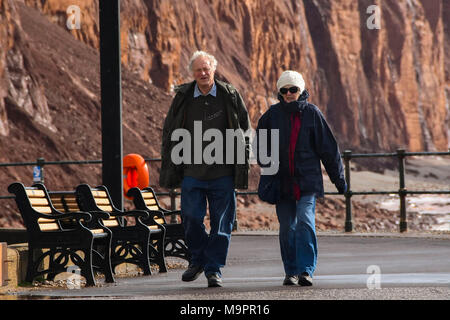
<point>202,105</point>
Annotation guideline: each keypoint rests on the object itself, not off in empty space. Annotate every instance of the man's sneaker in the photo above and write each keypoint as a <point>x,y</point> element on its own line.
<point>290,280</point>
<point>214,280</point>
<point>305,279</point>
<point>192,273</point>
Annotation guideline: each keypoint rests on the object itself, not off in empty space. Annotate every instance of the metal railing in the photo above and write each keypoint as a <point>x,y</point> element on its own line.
<point>402,191</point>
<point>347,156</point>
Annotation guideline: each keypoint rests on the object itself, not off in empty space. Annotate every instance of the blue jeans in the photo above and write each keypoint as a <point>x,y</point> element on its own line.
<point>298,242</point>
<point>209,251</point>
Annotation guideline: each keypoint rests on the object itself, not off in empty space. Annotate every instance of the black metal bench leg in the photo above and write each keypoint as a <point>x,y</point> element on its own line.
<point>52,267</point>
<point>159,255</point>
<point>86,268</point>
<point>102,258</point>
<point>114,257</point>
<point>145,258</point>
<point>107,266</point>
<point>31,265</point>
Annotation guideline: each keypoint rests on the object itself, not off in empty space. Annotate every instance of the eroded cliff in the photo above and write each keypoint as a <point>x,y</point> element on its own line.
<point>379,88</point>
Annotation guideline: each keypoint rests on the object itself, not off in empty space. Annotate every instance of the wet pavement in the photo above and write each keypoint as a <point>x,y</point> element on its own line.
<point>349,267</point>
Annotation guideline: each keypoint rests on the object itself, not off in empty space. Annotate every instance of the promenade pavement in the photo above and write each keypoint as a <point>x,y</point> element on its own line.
<point>350,267</point>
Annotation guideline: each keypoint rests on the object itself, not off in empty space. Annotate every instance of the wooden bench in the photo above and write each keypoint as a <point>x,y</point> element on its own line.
<point>65,201</point>
<point>138,243</point>
<point>45,230</point>
<point>175,244</point>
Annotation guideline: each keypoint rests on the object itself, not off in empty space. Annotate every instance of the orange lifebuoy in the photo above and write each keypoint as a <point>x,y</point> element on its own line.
<point>135,173</point>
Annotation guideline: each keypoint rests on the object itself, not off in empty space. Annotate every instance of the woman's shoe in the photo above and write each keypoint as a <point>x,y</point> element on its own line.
<point>305,279</point>
<point>214,280</point>
<point>290,280</point>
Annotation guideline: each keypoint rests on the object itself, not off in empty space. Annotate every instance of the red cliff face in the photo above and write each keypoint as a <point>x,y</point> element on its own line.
<point>446,21</point>
<point>50,101</point>
<point>379,88</point>
<point>6,30</point>
<point>20,88</point>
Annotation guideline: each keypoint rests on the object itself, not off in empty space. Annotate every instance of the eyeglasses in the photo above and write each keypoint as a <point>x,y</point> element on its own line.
<point>291,90</point>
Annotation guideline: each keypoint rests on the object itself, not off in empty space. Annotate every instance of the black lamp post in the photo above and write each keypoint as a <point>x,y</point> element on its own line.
<point>111,99</point>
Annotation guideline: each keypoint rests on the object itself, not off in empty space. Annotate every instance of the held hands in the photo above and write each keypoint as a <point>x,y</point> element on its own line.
<point>341,186</point>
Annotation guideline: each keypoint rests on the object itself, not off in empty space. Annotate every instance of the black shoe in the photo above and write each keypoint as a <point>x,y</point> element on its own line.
<point>290,280</point>
<point>214,280</point>
<point>192,273</point>
<point>305,279</point>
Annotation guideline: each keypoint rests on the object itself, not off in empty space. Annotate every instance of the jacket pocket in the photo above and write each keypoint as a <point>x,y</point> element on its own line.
<point>306,164</point>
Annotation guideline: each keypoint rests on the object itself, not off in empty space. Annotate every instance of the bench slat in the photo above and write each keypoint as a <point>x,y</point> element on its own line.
<point>73,207</point>
<point>46,209</point>
<point>153,208</point>
<point>105,208</point>
<point>99,193</point>
<point>159,220</point>
<point>45,220</point>
<point>100,201</point>
<point>96,231</point>
<point>39,201</point>
<point>48,226</point>
<point>148,195</point>
<point>70,198</point>
<point>150,201</point>
<point>35,193</point>
<point>111,223</point>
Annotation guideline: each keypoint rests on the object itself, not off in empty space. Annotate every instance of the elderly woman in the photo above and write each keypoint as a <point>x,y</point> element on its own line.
<point>305,140</point>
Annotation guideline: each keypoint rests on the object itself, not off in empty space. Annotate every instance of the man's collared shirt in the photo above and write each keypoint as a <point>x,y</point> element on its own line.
<point>212,92</point>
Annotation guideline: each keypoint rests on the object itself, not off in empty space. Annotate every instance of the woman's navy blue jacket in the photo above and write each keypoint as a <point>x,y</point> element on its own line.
<point>315,143</point>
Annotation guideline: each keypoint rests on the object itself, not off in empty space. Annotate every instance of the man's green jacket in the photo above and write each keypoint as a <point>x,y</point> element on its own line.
<point>171,174</point>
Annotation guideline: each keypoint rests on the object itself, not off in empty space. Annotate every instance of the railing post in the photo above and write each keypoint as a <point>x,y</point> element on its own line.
<point>40,163</point>
<point>348,193</point>
<point>402,189</point>
<point>173,195</point>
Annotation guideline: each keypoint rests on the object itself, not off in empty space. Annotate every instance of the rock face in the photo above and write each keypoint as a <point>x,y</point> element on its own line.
<point>50,105</point>
<point>20,88</point>
<point>379,88</point>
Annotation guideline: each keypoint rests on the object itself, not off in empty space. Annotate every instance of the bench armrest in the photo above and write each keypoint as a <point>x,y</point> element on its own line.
<point>158,213</point>
<point>100,214</point>
<point>70,215</point>
<point>170,212</point>
<point>131,213</point>
<point>151,217</point>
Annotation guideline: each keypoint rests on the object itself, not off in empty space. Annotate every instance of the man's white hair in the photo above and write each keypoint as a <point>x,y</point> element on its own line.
<point>197,54</point>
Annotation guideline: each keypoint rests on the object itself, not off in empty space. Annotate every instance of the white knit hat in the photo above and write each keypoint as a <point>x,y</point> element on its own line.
<point>293,78</point>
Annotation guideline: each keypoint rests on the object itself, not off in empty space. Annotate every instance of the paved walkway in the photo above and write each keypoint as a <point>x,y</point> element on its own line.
<point>349,267</point>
